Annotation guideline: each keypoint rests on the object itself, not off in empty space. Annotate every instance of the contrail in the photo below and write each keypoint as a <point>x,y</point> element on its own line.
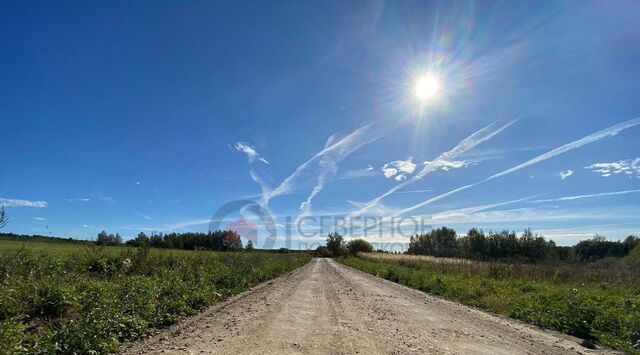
<point>338,150</point>
<point>578,197</point>
<point>329,167</point>
<point>473,209</point>
<point>608,132</point>
<point>464,145</point>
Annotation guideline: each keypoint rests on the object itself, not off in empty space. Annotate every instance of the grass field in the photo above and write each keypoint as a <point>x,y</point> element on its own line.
<point>76,298</point>
<point>603,311</point>
<point>49,248</point>
<point>72,248</point>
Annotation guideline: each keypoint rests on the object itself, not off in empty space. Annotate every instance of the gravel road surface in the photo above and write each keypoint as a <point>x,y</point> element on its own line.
<point>328,308</point>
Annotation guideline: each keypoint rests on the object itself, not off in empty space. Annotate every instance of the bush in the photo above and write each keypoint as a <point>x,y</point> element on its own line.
<point>322,252</point>
<point>51,299</point>
<point>356,246</point>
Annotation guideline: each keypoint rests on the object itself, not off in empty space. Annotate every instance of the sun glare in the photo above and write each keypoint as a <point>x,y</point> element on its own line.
<point>427,87</point>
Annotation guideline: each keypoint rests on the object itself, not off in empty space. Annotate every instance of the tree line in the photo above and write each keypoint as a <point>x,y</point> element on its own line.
<point>220,240</point>
<point>507,246</point>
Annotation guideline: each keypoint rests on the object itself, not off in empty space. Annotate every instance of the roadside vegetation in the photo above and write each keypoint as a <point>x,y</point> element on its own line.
<point>590,290</point>
<point>81,298</point>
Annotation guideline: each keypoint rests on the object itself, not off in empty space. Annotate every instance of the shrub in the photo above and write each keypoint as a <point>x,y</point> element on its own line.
<point>356,246</point>
<point>51,299</point>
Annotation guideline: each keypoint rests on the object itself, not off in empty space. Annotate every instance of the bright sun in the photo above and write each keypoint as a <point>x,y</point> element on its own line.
<point>427,87</point>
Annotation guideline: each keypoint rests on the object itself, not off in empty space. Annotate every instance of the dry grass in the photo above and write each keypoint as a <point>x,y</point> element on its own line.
<point>608,270</point>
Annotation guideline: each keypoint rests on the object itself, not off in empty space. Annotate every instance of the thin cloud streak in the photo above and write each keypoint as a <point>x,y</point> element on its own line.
<point>605,133</point>
<point>579,197</point>
<point>338,151</point>
<point>466,144</point>
<point>8,202</point>
<point>540,215</point>
<point>469,210</point>
<point>329,167</point>
<point>172,226</point>
<point>415,191</point>
<point>147,217</point>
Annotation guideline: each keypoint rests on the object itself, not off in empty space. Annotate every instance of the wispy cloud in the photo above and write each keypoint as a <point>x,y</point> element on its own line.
<point>605,133</point>
<point>447,165</point>
<point>538,215</point>
<point>565,174</point>
<point>378,210</point>
<point>329,158</point>
<point>147,217</point>
<point>39,219</point>
<point>328,167</point>
<point>414,191</point>
<point>399,169</point>
<point>250,151</point>
<point>7,202</point>
<point>187,224</point>
<point>171,226</point>
<point>105,198</point>
<point>81,199</point>
<point>462,213</point>
<point>356,173</point>
<point>629,167</point>
<point>573,234</point>
<point>480,155</point>
<point>335,150</point>
<point>580,197</point>
<point>264,187</point>
<point>466,144</point>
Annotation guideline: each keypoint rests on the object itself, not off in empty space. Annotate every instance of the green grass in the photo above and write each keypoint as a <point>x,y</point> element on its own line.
<point>65,248</point>
<point>48,247</point>
<point>604,312</point>
<point>74,298</point>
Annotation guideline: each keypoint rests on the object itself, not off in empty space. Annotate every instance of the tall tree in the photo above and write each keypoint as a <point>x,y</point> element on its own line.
<point>335,243</point>
<point>3,217</point>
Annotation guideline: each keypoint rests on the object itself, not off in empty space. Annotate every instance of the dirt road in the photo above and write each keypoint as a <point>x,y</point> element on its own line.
<point>328,308</point>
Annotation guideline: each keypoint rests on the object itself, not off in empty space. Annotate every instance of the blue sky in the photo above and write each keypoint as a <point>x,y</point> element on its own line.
<point>137,116</point>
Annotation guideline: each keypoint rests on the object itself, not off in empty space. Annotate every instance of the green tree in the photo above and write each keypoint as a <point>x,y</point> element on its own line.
<point>103,238</point>
<point>477,248</point>
<point>142,239</point>
<point>3,217</point>
<point>108,239</point>
<point>335,243</point>
<point>249,246</point>
<point>437,242</point>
